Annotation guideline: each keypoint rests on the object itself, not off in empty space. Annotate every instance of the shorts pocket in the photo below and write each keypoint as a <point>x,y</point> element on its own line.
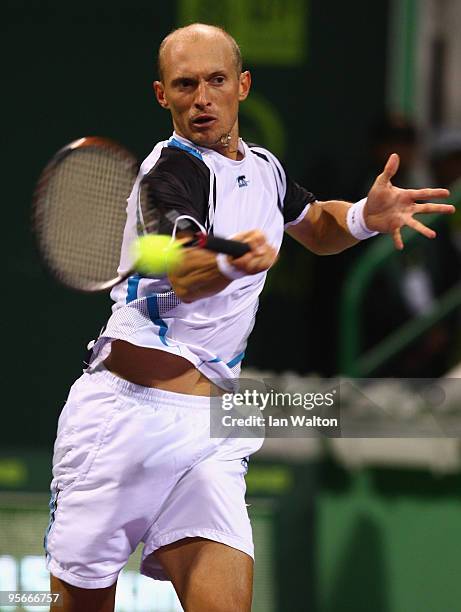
<point>81,434</point>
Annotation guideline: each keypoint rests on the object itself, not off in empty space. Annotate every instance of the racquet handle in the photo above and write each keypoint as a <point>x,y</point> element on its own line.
<point>234,248</point>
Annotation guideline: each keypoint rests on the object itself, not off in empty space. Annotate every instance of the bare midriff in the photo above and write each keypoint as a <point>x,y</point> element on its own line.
<point>155,368</point>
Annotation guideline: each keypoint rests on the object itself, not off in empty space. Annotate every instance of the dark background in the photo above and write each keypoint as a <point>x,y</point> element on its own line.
<point>86,69</point>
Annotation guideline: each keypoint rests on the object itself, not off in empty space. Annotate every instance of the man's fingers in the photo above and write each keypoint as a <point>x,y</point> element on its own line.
<point>252,262</point>
<point>428,194</point>
<point>242,262</point>
<point>391,167</point>
<point>397,237</point>
<point>252,237</point>
<point>421,228</point>
<point>430,207</point>
<point>261,256</point>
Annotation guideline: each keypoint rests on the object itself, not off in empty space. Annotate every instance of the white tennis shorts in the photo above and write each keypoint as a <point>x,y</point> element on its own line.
<point>135,464</point>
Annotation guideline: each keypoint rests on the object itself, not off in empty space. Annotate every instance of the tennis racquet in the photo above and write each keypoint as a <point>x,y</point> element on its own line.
<point>79,215</point>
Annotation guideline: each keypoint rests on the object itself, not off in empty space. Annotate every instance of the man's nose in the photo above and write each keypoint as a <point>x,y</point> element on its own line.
<point>201,97</point>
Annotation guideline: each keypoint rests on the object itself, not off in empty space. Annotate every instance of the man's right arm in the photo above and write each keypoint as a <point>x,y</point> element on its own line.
<point>199,276</point>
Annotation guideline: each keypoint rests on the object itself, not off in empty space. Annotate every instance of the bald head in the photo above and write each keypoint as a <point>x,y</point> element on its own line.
<point>202,84</point>
<point>192,33</point>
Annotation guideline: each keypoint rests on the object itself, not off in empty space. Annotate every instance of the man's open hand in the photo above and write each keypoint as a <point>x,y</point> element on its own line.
<point>390,208</point>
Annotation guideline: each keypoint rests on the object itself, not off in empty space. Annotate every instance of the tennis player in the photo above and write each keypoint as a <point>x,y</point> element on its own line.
<point>134,461</point>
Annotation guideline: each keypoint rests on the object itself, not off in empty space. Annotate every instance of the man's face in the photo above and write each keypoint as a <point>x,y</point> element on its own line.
<point>201,88</point>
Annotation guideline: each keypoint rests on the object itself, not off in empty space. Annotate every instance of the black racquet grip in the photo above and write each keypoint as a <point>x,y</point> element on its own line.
<point>234,248</point>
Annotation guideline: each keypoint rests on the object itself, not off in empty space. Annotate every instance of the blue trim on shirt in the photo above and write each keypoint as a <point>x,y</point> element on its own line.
<point>152,308</point>
<point>179,145</point>
<point>215,360</point>
<point>235,360</point>
<point>132,291</point>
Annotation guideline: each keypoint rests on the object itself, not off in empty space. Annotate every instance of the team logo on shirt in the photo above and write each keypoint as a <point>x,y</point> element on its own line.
<point>242,181</point>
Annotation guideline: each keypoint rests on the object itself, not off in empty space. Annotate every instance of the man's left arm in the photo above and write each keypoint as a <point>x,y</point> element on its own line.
<point>333,226</point>
<point>323,230</point>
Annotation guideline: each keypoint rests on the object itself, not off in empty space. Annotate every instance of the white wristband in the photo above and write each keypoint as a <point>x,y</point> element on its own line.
<point>227,269</point>
<point>356,222</point>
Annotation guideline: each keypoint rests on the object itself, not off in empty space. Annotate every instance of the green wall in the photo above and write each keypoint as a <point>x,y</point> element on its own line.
<point>388,541</point>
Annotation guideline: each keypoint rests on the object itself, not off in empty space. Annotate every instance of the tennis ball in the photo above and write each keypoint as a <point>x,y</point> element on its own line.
<point>156,254</point>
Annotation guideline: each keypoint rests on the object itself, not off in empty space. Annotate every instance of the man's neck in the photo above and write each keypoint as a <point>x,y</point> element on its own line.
<point>228,147</point>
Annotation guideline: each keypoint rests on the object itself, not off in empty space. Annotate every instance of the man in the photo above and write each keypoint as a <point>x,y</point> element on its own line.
<point>133,459</point>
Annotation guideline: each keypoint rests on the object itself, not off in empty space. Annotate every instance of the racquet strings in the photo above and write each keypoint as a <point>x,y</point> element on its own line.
<point>81,213</point>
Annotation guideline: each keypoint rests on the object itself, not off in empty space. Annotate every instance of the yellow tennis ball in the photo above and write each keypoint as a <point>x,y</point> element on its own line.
<point>156,254</point>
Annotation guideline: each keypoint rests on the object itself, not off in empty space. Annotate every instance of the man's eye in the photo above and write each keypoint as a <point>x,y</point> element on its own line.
<point>219,80</point>
<point>185,83</point>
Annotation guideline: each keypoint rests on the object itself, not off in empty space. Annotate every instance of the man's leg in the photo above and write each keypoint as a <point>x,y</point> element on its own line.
<point>208,575</point>
<point>75,599</point>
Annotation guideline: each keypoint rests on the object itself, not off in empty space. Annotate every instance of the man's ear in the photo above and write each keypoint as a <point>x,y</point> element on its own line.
<point>160,94</point>
<point>244,85</point>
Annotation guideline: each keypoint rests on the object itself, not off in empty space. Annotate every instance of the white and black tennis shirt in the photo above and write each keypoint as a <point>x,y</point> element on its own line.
<point>226,197</point>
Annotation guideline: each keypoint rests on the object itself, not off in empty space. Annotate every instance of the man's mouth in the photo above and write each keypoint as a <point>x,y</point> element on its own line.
<point>203,121</point>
